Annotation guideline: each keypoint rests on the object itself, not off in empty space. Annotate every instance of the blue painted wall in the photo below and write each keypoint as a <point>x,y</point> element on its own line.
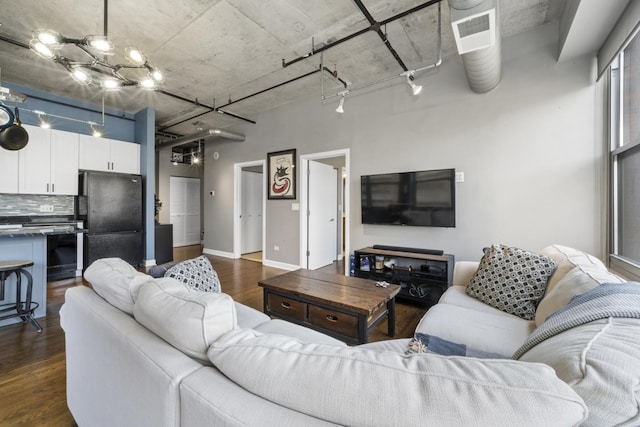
<point>144,134</point>
<point>118,124</point>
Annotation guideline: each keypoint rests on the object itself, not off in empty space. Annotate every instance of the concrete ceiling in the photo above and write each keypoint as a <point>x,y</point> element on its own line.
<point>219,51</point>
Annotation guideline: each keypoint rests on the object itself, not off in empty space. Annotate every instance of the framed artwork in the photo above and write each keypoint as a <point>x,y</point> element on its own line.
<point>282,174</point>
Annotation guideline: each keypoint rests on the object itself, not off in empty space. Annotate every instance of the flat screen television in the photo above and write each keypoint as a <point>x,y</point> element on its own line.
<point>421,198</point>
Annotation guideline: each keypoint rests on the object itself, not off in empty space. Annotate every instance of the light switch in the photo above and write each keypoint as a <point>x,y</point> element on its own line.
<point>295,206</point>
<point>459,176</point>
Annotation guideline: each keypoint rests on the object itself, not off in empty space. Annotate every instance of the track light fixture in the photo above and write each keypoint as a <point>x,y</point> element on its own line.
<point>415,89</point>
<point>48,44</point>
<point>340,108</point>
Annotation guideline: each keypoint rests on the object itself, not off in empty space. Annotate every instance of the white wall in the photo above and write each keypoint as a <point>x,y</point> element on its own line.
<point>530,151</point>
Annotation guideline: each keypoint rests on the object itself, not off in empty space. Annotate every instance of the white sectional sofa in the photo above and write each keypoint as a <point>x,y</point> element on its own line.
<point>148,352</point>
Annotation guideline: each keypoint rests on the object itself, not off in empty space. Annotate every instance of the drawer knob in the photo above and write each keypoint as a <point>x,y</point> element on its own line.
<point>332,318</point>
<point>285,305</point>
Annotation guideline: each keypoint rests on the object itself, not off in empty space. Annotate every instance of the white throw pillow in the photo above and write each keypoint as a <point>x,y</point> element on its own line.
<point>566,258</point>
<point>578,280</point>
<point>116,281</point>
<point>362,387</point>
<point>188,320</point>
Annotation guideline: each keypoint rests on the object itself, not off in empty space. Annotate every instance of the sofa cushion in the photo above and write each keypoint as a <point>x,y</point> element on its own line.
<point>601,362</point>
<point>282,327</point>
<point>490,330</point>
<point>190,321</point>
<point>116,281</point>
<point>578,280</point>
<point>361,387</point>
<point>197,274</point>
<point>566,258</point>
<point>512,280</point>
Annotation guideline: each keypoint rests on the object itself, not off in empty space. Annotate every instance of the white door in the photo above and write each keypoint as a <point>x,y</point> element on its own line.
<point>184,210</point>
<point>323,215</point>
<point>251,212</point>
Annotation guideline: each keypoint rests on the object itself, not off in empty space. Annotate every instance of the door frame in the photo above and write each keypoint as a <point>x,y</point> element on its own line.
<point>304,205</point>
<point>237,200</point>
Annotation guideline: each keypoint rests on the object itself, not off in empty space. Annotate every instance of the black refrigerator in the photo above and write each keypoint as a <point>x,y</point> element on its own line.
<point>110,204</point>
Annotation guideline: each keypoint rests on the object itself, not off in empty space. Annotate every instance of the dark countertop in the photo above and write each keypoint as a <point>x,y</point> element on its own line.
<point>44,230</point>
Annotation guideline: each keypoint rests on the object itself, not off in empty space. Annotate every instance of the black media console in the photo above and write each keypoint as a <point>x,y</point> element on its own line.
<point>423,274</point>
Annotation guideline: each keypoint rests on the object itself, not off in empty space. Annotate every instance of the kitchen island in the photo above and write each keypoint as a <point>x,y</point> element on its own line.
<point>30,243</point>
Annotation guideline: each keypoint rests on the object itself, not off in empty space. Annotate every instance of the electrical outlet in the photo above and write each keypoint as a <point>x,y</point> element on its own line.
<point>46,208</point>
<point>276,248</point>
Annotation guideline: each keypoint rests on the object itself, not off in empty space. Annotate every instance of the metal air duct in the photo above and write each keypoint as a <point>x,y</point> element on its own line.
<point>203,134</point>
<point>477,31</point>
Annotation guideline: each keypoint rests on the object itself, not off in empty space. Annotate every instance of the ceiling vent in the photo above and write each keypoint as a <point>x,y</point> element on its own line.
<point>474,28</point>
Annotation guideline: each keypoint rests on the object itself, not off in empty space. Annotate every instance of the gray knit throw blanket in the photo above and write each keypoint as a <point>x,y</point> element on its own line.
<point>602,302</point>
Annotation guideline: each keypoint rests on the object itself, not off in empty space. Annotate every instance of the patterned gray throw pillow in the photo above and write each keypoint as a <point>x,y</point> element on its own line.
<point>512,280</point>
<point>197,274</point>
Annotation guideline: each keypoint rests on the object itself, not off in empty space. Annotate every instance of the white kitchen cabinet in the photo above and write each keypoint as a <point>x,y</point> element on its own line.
<point>49,163</point>
<point>108,155</point>
<point>8,171</point>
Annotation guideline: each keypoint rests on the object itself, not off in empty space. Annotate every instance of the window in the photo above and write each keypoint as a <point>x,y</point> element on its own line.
<point>625,161</point>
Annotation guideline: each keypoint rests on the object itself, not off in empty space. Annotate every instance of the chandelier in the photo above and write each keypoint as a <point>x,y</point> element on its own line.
<point>49,44</point>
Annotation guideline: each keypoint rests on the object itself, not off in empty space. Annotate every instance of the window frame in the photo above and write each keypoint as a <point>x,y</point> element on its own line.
<point>617,263</point>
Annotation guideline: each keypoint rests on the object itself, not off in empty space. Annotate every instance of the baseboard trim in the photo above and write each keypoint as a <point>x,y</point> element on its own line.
<point>281,265</point>
<point>218,253</point>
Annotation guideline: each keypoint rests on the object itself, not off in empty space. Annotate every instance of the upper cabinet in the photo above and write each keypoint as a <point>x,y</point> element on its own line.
<point>48,164</point>
<point>8,171</point>
<point>108,155</point>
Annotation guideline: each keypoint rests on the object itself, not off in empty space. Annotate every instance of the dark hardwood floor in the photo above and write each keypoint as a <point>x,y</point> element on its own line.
<point>32,365</point>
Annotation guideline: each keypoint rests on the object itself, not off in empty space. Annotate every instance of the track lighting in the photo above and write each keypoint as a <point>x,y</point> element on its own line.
<point>340,108</point>
<point>415,89</point>
<point>44,124</point>
<point>96,129</point>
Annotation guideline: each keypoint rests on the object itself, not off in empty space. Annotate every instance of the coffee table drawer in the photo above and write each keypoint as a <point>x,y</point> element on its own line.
<point>335,321</point>
<point>287,307</point>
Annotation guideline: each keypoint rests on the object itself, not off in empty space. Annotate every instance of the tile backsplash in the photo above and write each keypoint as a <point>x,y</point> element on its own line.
<point>33,205</point>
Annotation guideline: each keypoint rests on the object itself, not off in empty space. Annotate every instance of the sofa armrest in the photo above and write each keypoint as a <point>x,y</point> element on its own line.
<point>463,271</point>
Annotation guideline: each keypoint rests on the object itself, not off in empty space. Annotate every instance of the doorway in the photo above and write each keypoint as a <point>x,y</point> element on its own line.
<point>249,217</point>
<point>184,210</point>
<point>309,241</point>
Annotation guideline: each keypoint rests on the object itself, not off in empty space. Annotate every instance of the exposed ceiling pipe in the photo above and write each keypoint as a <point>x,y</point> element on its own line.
<point>327,46</point>
<point>391,77</point>
<point>203,134</point>
<point>210,109</point>
<point>483,66</point>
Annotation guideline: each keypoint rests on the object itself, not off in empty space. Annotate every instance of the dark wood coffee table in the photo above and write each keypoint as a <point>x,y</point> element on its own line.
<point>341,306</point>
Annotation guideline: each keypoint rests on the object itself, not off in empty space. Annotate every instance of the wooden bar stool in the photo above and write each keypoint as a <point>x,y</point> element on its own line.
<point>23,309</point>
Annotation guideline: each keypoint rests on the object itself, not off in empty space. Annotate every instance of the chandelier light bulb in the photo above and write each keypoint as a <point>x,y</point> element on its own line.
<point>48,37</point>
<point>147,83</point>
<point>100,43</point>
<point>134,55</point>
<point>41,49</point>
<point>110,84</point>
<point>81,76</point>
<point>157,75</point>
